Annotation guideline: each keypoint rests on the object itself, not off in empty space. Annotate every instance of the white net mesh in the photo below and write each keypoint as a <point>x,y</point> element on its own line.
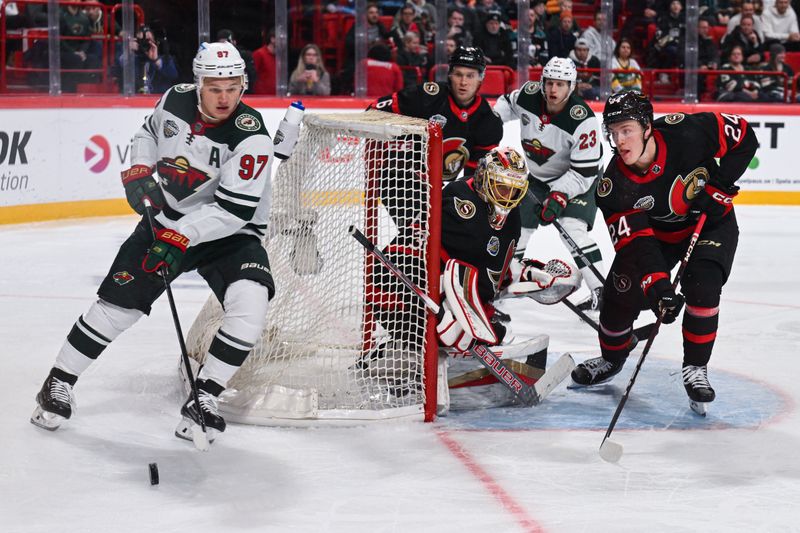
<point>344,340</point>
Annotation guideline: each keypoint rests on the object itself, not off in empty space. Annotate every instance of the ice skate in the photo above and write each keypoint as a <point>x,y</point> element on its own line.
<point>56,402</point>
<point>594,372</point>
<point>695,381</point>
<point>209,404</point>
<point>593,302</point>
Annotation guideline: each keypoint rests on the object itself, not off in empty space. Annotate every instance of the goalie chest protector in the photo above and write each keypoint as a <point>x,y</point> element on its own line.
<point>468,237</point>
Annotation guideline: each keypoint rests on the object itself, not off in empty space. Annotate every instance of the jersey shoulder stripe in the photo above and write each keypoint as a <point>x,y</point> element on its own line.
<point>181,103</point>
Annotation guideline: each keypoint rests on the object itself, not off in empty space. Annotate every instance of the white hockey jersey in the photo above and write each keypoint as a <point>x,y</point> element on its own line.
<point>216,178</point>
<point>563,150</point>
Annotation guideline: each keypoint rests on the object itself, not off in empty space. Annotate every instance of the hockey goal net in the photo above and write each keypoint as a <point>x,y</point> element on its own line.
<point>343,340</point>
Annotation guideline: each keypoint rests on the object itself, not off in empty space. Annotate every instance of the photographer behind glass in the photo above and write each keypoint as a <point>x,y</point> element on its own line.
<point>155,70</point>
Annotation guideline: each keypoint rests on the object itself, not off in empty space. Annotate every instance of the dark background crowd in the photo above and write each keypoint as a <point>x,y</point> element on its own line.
<point>751,47</point>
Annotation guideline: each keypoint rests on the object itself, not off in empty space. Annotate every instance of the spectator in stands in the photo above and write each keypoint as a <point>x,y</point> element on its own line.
<point>707,54</point>
<point>427,28</point>
<point>94,53</point>
<point>422,8</point>
<point>485,7</point>
<point>310,76</point>
<point>538,52</point>
<point>406,24</point>
<point>383,76</point>
<point>748,39</point>
<point>561,40</point>
<point>471,21</point>
<point>772,88</point>
<point>748,9</point>
<point>494,41</point>
<point>780,24</point>
<point>623,59</point>
<point>666,50</point>
<point>736,87</point>
<point>451,44</point>
<point>413,55</point>
<point>456,27</point>
<point>155,69</point>
<point>264,63</point>
<point>227,36</point>
<point>594,38</point>
<point>377,33</point>
<point>555,21</point>
<point>588,83</point>
<point>642,13</point>
<point>74,25</point>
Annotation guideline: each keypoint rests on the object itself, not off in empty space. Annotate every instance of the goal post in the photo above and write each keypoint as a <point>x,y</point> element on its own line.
<point>344,341</point>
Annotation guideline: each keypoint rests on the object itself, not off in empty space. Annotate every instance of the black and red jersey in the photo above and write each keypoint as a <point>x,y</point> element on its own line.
<point>468,132</point>
<point>642,210</point>
<point>468,237</point>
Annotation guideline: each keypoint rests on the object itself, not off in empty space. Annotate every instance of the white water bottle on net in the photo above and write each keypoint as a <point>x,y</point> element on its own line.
<point>344,339</point>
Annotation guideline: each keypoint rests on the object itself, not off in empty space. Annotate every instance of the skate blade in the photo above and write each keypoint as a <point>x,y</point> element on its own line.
<point>46,420</point>
<point>701,408</point>
<point>188,430</point>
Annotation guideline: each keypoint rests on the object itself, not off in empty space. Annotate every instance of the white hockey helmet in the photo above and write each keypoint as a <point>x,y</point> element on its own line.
<point>501,180</point>
<point>218,60</point>
<point>561,68</point>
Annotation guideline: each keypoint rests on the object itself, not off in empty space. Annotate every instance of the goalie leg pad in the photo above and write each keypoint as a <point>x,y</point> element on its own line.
<point>461,290</point>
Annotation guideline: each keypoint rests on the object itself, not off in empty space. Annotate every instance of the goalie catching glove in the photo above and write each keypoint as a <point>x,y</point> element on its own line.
<point>546,283</point>
<point>463,320</point>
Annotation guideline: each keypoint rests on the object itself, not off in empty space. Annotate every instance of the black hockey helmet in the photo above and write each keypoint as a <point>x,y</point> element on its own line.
<point>469,56</point>
<point>629,105</point>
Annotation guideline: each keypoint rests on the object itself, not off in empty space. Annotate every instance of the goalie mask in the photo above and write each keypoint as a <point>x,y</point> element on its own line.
<point>501,180</point>
<point>218,60</point>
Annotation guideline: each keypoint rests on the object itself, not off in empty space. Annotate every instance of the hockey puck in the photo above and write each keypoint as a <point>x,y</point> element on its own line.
<point>153,473</point>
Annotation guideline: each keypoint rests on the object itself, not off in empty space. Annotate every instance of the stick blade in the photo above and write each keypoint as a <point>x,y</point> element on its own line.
<point>610,451</point>
<point>200,439</point>
<point>554,375</point>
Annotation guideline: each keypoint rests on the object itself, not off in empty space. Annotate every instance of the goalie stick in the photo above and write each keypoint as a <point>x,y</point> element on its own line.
<point>612,451</point>
<point>528,396</point>
<point>200,439</point>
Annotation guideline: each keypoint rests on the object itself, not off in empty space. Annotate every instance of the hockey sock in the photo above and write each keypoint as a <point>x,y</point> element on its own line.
<point>246,304</point>
<point>578,230</point>
<point>90,335</point>
<point>699,332</point>
<point>615,345</point>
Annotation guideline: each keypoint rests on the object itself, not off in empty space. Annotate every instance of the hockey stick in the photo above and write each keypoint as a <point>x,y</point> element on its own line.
<point>576,250</point>
<point>527,395</point>
<point>200,439</point>
<point>612,451</point>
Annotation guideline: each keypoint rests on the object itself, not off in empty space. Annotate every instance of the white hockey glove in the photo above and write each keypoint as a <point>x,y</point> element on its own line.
<point>546,283</point>
<point>288,131</point>
<point>464,319</point>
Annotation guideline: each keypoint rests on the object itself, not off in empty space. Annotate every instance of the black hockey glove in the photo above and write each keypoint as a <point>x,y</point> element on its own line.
<point>167,251</point>
<point>552,207</point>
<point>664,300</point>
<point>715,200</point>
<point>139,184</point>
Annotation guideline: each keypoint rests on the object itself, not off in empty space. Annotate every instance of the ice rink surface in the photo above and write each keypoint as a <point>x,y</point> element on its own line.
<point>493,470</point>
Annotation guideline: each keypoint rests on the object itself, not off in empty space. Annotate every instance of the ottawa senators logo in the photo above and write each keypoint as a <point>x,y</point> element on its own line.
<point>431,88</point>
<point>535,150</point>
<point>684,190</point>
<point>622,282</point>
<point>464,208</point>
<point>604,187</point>
<point>180,179</point>
<point>674,118</point>
<point>455,157</point>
